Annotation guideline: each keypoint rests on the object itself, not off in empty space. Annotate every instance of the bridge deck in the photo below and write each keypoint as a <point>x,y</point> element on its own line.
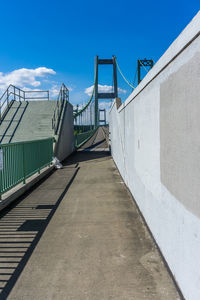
<point>78,235</point>
<point>98,142</point>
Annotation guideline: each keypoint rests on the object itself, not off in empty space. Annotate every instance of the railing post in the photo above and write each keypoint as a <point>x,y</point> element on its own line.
<point>75,140</point>
<point>1,175</point>
<point>24,166</point>
<point>1,185</point>
<point>7,96</point>
<point>14,94</point>
<point>51,143</point>
<point>38,151</point>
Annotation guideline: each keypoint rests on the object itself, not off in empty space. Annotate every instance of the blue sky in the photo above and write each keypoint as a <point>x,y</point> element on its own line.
<point>64,36</point>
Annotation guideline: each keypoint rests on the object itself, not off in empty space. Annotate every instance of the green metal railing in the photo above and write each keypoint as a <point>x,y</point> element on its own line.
<point>18,161</point>
<point>62,100</point>
<point>84,120</point>
<point>82,138</point>
<point>14,93</point>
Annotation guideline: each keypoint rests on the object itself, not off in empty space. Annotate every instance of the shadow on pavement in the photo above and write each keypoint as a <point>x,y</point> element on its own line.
<point>23,223</point>
<point>81,156</point>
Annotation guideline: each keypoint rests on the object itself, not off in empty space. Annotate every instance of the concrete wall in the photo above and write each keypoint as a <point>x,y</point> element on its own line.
<point>155,142</point>
<point>65,140</point>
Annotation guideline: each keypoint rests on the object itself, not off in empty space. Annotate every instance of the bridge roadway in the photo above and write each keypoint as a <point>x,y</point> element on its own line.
<point>99,141</point>
<point>78,235</point>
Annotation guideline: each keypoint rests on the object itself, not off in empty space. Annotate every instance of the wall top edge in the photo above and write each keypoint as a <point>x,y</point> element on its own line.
<point>112,105</point>
<point>190,33</point>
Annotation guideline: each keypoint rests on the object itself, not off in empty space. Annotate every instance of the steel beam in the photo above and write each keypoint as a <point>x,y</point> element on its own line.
<point>105,61</point>
<point>106,95</point>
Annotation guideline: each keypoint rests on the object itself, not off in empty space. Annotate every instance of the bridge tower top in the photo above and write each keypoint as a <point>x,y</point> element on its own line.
<point>143,63</point>
<point>98,95</point>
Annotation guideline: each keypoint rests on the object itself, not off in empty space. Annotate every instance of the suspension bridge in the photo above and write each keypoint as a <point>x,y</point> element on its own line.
<point>67,234</point>
<point>98,210</point>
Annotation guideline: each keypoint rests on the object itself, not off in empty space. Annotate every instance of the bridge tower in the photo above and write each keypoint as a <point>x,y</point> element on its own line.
<point>143,63</point>
<point>98,95</point>
<point>102,120</point>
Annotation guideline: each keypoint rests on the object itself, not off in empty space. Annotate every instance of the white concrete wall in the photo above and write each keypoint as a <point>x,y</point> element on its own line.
<point>65,141</point>
<point>155,142</point>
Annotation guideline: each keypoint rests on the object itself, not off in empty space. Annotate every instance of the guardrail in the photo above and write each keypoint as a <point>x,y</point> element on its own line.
<point>82,138</point>
<point>17,94</point>
<point>18,161</point>
<point>63,98</point>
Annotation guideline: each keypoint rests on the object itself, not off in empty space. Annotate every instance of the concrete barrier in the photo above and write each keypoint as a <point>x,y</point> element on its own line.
<point>155,142</point>
<point>65,140</point>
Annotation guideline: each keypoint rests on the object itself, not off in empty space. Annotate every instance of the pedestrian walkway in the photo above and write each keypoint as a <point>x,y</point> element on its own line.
<point>79,236</point>
<point>98,142</point>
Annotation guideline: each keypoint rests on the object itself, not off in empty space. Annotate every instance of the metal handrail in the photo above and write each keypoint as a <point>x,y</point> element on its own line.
<point>20,95</point>
<point>23,159</point>
<point>63,97</point>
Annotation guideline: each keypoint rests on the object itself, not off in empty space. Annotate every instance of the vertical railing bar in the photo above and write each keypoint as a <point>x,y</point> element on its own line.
<point>24,166</point>
<point>7,96</point>
<point>38,158</point>
<point>5,162</point>
<point>8,177</point>
<point>1,182</point>
<point>2,178</point>
<point>10,164</point>
<point>21,160</point>
<point>14,94</point>
<point>6,170</point>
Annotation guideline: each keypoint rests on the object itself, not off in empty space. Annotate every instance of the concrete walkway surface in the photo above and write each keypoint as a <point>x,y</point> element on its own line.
<point>79,236</point>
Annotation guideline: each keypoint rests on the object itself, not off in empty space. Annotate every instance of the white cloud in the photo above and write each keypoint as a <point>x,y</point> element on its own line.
<point>103,89</point>
<point>54,91</point>
<point>122,91</point>
<point>32,80</point>
<point>22,77</point>
<point>105,105</point>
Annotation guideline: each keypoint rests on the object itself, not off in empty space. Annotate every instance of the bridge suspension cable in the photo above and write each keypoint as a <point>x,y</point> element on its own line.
<point>135,77</point>
<point>133,87</point>
<point>76,114</point>
<point>84,120</point>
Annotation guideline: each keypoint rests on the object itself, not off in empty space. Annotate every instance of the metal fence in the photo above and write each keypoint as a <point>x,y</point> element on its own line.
<point>84,121</point>
<point>81,138</point>
<point>18,161</point>
<point>14,93</point>
<point>62,100</point>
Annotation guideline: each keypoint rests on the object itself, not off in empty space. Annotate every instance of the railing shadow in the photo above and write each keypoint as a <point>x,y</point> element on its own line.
<point>22,225</point>
<point>96,144</point>
<point>82,156</point>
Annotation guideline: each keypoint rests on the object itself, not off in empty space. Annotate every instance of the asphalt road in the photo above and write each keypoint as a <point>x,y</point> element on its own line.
<point>98,142</point>
<point>78,236</point>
